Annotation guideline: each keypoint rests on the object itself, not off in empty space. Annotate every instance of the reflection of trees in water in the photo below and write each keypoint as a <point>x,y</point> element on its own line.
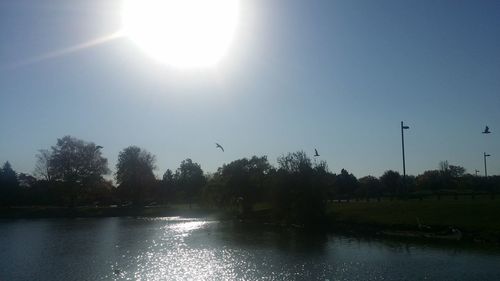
<point>410,246</point>
<point>287,239</point>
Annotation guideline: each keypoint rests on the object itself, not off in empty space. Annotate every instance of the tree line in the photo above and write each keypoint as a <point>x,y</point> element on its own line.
<point>73,173</point>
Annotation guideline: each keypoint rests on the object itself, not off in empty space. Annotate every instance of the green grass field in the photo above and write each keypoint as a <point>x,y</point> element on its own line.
<point>479,215</point>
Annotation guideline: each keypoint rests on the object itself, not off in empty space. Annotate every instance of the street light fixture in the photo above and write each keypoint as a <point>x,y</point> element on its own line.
<point>485,169</point>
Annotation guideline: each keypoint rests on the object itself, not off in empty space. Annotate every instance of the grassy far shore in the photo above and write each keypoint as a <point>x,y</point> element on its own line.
<point>478,219</point>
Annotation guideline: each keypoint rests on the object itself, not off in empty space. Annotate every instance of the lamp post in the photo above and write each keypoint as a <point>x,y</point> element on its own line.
<point>403,127</point>
<point>485,169</point>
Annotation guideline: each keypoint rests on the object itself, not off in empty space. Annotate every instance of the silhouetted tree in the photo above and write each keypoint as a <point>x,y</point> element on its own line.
<point>297,162</point>
<point>215,193</point>
<point>243,181</point>
<point>101,194</point>
<point>78,165</point>
<point>42,166</point>
<point>134,174</point>
<point>190,179</point>
<point>9,185</point>
<point>430,180</point>
<point>26,180</point>
<point>167,186</point>
<point>391,182</point>
<point>410,184</point>
<point>456,171</point>
<point>450,175</point>
<point>444,166</point>
<point>296,197</point>
<point>369,186</point>
<point>345,184</point>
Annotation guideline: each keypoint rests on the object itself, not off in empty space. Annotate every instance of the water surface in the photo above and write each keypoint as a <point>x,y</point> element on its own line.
<point>198,249</point>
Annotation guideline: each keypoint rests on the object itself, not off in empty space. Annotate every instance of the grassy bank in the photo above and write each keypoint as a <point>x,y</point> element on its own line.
<point>478,219</point>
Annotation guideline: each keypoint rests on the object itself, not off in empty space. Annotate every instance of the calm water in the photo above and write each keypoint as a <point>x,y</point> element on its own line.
<point>198,249</point>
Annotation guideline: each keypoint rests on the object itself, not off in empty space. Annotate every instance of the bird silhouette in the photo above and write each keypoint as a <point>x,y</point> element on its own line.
<point>219,146</point>
<point>486,130</point>
<point>98,147</point>
<point>316,153</point>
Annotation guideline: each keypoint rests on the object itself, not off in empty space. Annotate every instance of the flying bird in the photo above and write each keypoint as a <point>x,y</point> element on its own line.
<point>486,130</point>
<point>316,153</point>
<point>219,146</point>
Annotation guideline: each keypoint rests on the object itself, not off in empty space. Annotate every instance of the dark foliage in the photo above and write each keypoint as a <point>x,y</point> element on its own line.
<point>189,180</point>
<point>296,192</point>
<point>299,190</point>
<point>134,174</point>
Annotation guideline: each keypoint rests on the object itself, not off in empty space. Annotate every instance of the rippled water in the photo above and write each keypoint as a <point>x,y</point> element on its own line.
<point>197,249</point>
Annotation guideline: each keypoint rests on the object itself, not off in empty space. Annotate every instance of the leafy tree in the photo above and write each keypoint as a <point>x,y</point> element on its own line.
<point>297,162</point>
<point>168,177</point>
<point>77,164</point>
<point>369,187</point>
<point>391,182</point>
<point>215,193</point>
<point>190,179</point>
<point>244,180</point>
<point>430,180</point>
<point>345,184</point>
<point>167,185</point>
<point>450,175</point>
<point>457,171</point>
<point>134,174</point>
<point>297,198</point>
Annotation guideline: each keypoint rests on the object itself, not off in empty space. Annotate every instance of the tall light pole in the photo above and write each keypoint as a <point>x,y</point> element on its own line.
<point>485,169</point>
<point>403,127</point>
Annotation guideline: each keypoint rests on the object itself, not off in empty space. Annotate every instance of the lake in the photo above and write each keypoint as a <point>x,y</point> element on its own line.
<point>178,248</point>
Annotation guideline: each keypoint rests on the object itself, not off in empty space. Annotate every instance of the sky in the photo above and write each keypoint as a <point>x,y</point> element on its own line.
<point>338,76</point>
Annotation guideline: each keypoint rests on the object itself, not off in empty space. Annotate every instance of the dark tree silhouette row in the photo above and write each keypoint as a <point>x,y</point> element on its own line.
<point>72,173</point>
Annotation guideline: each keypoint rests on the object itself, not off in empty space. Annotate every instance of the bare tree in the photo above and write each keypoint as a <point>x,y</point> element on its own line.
<point>42,166</point>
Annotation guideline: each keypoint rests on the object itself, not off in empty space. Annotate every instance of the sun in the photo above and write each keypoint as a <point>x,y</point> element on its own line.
<point>182,33</point>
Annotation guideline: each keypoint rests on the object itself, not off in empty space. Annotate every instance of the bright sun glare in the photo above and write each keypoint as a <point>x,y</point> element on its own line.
<point>182,33</point>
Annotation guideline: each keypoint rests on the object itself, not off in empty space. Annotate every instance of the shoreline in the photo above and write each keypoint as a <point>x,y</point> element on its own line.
<point>435,233</point>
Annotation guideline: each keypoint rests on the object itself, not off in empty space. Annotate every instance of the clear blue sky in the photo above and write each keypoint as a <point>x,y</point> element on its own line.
<point>338,76</point>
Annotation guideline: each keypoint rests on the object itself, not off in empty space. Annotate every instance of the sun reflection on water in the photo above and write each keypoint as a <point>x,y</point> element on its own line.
<point>198,249</point>
<point>185,227</point>
<point>169,257</point>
